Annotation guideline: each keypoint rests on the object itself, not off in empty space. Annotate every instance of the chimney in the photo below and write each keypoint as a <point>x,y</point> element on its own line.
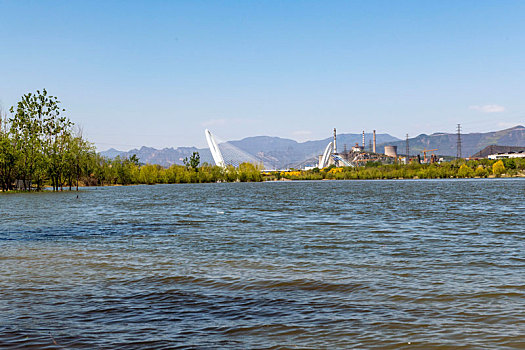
<point>374,149</point>
<point>335,144</point>
<point>363,140</point>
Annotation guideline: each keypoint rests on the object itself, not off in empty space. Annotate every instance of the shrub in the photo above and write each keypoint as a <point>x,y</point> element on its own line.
<point>480,171</point>
<point>498,168</point>
<point>465,171</point>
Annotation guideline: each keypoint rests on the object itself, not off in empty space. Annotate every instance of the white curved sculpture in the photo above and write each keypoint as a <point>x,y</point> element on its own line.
<point>326,156</point>
<point>214,149</point>
<point>340,160</point>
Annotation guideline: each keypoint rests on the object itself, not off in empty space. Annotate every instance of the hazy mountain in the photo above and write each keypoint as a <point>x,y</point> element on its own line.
<point>164,157</point>
<point>275,152</point>
<point>112,153</point>
<point>280,153</point>
<point>446,143</point>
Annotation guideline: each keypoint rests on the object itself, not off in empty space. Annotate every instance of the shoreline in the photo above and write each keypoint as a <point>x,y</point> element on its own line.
<point>84,187</point>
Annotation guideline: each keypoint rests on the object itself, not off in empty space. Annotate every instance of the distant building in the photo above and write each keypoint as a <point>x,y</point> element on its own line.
<point>520,154</point>
<point>391,151</point>
<point>495,149</point>
<point>357,148</point>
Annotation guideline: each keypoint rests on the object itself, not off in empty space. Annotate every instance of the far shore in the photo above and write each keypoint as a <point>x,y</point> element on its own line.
<point>83,187</point>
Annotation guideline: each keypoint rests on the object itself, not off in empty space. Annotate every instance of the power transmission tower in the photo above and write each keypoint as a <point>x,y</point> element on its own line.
<point>407,150</point>
<point>458,155</point>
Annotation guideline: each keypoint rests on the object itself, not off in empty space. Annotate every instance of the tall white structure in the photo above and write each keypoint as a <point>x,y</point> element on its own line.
<point>214,149</point>
<point>325,159</point>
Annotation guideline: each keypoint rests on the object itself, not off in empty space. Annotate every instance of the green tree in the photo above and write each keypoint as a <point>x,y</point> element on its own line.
<point>480,171</point>
<point>498,168</point>
<point>8,155</point>
<point>193,162</point>
<point>149,174</point>
<point>249,173</point>
<point>40,137</point>
<point>81,151</point>
<point>134,159</point>
<point>26,130</point>
<point>465,171</point>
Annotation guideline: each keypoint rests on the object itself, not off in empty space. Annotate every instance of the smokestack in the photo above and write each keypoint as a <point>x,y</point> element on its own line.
<point>335,144</point>
<point>363,140</point>
<point>374,149</point>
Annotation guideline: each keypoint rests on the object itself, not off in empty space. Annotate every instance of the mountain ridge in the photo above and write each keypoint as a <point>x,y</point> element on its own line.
<point>278,152</point>
<point>471,143</point>
<point>274,151</point>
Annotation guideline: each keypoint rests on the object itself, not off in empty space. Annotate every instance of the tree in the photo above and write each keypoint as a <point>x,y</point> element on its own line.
<point>480,171</point>
<point>8,155</point>
<point>77,157</point>
<point>193,162</point>
<point>26,130</point>
<point>498,168</point>
<point>40,137</point>
<point>249,173</point>
<point>134,159</point>
<point>465,171</point>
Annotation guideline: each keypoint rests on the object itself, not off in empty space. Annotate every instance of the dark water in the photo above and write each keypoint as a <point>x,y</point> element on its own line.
<point>358,264</point>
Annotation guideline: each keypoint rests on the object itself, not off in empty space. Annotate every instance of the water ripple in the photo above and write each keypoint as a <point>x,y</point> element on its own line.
<point>347,264</point>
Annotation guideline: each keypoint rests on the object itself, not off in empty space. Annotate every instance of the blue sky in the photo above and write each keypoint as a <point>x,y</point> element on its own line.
<point>157,73</point>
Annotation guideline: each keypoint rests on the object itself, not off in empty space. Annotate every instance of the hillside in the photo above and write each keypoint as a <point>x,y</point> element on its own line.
<point>277,152</point>
<point>446,143</point>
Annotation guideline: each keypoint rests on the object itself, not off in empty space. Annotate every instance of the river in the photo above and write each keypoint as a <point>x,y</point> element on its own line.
<point>329,264</point>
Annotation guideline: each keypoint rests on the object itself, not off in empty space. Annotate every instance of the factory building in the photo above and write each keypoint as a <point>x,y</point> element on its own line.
<point>520,154</point>
<point>391,151</point>
<point>356,155</point>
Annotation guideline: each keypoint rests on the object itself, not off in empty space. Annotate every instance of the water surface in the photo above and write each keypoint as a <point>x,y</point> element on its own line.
<point>328,264</point>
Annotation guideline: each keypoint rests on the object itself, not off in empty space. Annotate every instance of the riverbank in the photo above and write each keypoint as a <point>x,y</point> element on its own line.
<point>154,174</point>
<point>484,168</point>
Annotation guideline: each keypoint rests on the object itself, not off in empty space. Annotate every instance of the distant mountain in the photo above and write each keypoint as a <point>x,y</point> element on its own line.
<point>112,153</point>
<point>283,153</point>
<point>164,157</point>
<point>446,143</point>
<point>275,152</point>
<point>280,153</point>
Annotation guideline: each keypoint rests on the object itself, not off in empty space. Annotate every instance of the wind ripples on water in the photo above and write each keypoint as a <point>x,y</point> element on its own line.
<point>331,264</point>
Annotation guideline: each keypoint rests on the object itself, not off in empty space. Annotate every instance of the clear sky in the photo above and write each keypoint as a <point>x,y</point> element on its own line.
<point>157,73</point>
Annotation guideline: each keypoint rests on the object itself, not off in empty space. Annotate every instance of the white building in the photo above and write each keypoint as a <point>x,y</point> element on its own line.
<point>507,155</point>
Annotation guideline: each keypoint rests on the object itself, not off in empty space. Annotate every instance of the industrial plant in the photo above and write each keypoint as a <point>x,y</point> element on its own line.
<point>352,153</point>
<point>359,155</point>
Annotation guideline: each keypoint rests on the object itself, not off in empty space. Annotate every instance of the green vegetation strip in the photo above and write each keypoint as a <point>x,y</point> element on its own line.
<point>39,147</point>
<point>375,170</point>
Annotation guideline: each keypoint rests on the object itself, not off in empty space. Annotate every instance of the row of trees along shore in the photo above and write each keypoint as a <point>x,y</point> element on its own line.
<point>375,170</point>
<point>40,147</point>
